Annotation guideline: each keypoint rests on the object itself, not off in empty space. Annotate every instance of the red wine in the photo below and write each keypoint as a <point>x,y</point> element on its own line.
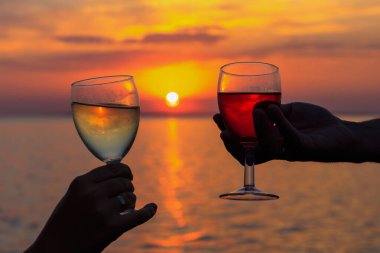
<point>236,109</point>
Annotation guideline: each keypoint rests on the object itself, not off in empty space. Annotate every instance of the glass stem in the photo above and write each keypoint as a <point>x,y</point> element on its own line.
<point>249,168</point>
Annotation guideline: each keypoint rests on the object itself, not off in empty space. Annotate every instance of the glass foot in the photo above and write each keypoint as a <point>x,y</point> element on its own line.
<point>248,194</point>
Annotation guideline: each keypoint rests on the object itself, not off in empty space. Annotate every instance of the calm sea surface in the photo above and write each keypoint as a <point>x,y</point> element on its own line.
<point>181,164</point>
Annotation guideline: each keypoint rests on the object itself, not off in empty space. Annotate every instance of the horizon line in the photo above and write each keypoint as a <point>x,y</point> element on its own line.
<point>157,114</point>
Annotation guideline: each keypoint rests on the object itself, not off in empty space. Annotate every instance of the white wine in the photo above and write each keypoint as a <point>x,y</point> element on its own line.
<point>107,130</point>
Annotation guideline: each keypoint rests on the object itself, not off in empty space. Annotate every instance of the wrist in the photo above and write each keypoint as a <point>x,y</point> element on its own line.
<point>364,148</point>
<point>42,245</point>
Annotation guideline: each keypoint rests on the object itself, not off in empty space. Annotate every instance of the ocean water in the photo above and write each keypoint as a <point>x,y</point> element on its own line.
<point>181,164</point>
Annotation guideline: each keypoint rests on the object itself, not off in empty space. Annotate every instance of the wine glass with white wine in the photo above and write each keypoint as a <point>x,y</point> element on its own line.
<point>106,114</point>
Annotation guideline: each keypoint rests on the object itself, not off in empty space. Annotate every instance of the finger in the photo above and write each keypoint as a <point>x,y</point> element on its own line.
<point>218,119</point>
<point>269,138</point>
<point>262,155</point>
<point>289,132</point>
<point>134,218</point>
<point>110,171</point>
<point>114,186</point>
<point>287,109</point>
<point>263,127</point>
<point>233,146</point>
<point>121,202</point>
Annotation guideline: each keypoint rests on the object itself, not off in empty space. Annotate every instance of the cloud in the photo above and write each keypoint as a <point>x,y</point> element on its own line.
<point>184,36</point>
<point>201,29</point>
<point>94,60</point>
<point>11,21</point>
<point>313,45</point>
<point>84,39</point>
<point>180,37</point>
<point>72,61</point>
<point>303,46</point>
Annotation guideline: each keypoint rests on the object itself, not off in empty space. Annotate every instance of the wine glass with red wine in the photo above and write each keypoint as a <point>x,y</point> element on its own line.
<point>242,87</point>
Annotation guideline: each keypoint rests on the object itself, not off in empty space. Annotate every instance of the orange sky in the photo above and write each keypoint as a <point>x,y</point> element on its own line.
<point>328,51</point>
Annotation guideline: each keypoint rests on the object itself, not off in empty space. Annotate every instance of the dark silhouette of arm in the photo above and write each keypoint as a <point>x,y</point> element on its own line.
<point>307,132</point>
<point>87,219</point>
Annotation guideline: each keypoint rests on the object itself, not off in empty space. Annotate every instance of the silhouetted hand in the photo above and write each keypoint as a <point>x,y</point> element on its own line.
<point>306,132</point>
<point>87,219</point>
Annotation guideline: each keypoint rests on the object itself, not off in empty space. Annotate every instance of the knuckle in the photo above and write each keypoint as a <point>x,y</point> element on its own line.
<point>126,166</point>
<point>77,182</point>
<point>126,184</point>
<point>83,192</point>
<point>78,186</point>
<point>132,198</point>
<point>129,171</point>
<point>130,186</point>
<point>123,170</point>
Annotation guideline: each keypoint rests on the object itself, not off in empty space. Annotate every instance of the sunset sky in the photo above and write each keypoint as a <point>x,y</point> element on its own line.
<point>328,51</point>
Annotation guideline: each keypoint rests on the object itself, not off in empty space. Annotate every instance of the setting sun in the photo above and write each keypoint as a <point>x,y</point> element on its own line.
<point>172,99</point>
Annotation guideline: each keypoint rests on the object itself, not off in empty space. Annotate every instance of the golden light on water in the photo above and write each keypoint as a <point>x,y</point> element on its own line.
<point>172,99</point>
<point>100,110</point>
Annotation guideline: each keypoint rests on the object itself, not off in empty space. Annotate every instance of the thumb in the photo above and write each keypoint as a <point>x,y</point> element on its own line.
<point>146,213</point>
<point>127,220</point>
<point>133,218</point>
<point>264,129</point>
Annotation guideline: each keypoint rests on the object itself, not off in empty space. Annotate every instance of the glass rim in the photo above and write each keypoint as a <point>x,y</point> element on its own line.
<point>119,78</point>
<point>274,68</point>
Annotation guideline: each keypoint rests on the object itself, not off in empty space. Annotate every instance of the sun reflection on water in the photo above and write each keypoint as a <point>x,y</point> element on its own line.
<point>173,181</point>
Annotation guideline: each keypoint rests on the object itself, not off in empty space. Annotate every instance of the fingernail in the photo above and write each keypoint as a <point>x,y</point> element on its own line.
<point>257,111</point>
<point>152,206</point>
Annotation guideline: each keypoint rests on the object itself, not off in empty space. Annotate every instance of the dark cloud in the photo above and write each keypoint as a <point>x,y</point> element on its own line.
<point>84,39</point>
<point>72,61</point>
<point>316,45</point>
<point>202,29</point>
<point>180,37</point>
<point>94,60</point>
<point>303,46</point>
<point>373,45</point>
